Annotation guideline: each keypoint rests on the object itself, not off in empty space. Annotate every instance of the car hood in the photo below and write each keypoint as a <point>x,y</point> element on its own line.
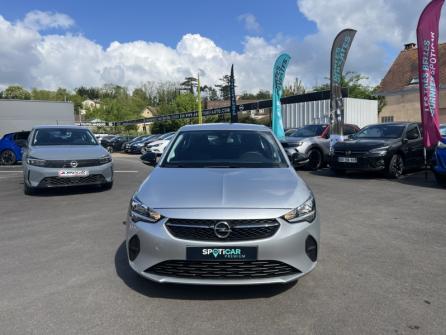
<point>66,152</point>
<point>364,144</point>
<point>290,139</point>
<point>223,188</point>
<point>159,142</point>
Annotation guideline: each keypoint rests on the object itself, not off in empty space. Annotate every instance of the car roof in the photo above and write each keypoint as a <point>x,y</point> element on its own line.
<point>224,126</point>
<point>62,126</point>
<point>398,123</point>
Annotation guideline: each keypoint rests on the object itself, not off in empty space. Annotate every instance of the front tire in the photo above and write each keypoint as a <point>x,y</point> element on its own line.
<point>28,190</point>
<point>8,157</point>
<point>315,160</point>
<point>396,166</point>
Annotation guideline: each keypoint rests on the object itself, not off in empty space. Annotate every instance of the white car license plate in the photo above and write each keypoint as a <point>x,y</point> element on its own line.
<point>73,173</point>
<point>347,159</point>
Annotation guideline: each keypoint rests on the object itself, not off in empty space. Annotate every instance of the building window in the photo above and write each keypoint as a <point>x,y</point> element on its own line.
<point>386,119</point>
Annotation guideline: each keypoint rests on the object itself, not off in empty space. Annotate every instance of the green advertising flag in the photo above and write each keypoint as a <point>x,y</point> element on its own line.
<point>200,112</point>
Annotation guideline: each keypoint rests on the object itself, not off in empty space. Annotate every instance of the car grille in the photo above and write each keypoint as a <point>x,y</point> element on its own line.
<point>241,230</point>
<point>67,163</point>
<point>72,181</point>
<point>222,269</point>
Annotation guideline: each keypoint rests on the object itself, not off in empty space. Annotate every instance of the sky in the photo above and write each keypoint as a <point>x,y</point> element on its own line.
<point>51,44</point>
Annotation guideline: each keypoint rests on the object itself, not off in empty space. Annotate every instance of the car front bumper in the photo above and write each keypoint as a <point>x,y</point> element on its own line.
<point>43,177</point>
<point>296,157</point>
<point>365,162</point>
<point>158,245</point>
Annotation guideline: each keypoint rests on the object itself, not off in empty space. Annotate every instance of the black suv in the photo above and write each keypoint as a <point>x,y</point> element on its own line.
<point>116,143</point>
<point>390,147</point>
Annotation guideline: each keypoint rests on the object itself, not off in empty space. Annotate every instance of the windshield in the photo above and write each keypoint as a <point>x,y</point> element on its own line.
<point>63,136</point>
<point>224,148</point>
<point>309,131</point>
<point>443,130</point>
<point>381,131</point>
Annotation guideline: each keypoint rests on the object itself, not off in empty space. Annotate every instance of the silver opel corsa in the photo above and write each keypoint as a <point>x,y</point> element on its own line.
<point>223,206</point>
<point>60,156</point>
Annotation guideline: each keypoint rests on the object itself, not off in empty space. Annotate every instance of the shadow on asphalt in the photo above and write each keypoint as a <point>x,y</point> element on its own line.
<point>71,190</point>
<point>414,178</point>
<point>190,292</point>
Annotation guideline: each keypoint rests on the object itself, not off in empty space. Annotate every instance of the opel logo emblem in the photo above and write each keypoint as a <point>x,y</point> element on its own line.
<point>73,164</point>
<point>348,152</point>
<point>222,229</point>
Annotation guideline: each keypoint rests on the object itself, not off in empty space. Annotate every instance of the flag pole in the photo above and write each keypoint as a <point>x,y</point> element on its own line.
<point>200,112</point>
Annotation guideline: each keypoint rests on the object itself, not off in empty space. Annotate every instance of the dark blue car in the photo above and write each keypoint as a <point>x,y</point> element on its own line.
<point>11,147</point>
<point>439,158</point>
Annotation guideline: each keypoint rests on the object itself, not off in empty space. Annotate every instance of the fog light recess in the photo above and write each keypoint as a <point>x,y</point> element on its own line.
<point>311,248</point>
<point>133,247</point>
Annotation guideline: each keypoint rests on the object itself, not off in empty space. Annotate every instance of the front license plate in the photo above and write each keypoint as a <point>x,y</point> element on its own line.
<point>73,173</point>
<point>347,159</point>
<point>221,253</point>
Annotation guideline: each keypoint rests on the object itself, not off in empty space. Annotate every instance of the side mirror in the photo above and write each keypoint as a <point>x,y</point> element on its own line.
<point>149,158</point>
<point>22,143</point>
<point>405,140</point>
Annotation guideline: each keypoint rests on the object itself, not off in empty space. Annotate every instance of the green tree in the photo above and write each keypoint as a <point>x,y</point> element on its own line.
<point>224,87</point>
<point>16,92</point>
<point>189,84</point>
<point>356,89</point>
<point>295,88</point>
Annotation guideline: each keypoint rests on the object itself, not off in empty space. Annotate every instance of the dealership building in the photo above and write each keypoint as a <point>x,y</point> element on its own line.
<point>400,87</point>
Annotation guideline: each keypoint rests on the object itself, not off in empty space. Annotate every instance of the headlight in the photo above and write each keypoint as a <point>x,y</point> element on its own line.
<point>105,159</point>
<point>140,212</point>
<point>155,145</point>
<point>382,150</point>
<point>441,145</point>
<point>139,144</point>
<point>35,161</point>
<point>305,212</point>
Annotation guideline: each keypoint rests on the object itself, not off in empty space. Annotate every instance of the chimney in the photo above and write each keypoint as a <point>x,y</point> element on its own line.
<point>409,46</point>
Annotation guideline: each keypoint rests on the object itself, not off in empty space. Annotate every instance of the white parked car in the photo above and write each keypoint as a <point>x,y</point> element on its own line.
<point>99,137</point>
<point>158,147</point>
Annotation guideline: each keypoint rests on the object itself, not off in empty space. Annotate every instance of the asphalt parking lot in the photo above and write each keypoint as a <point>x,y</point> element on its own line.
<point>382,265</point>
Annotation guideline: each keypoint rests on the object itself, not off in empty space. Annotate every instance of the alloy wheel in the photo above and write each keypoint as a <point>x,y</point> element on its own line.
<point>8,157</point>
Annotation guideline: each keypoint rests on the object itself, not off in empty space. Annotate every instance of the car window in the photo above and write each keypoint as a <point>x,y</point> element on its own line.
<point>63,136</point>
<point>349,130</point>
<point>384,130</point>
<point>224,148</point>
<point>443,130</point>
<point>23,135</point>
<point>309,131</point>
<point>412,131</point>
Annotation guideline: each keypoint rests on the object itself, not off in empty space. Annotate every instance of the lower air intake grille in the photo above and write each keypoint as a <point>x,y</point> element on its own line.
<point>72,181</point>
<point>222,269</point>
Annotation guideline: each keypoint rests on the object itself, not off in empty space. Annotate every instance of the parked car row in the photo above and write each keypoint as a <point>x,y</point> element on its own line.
<point>393,148</point>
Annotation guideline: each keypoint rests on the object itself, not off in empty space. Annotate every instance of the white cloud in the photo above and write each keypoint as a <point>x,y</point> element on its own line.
<point>251,23</point>
<point>38,20</point>
<point>383,27</point>
<point>51,61</point>
<point>33,59</point>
